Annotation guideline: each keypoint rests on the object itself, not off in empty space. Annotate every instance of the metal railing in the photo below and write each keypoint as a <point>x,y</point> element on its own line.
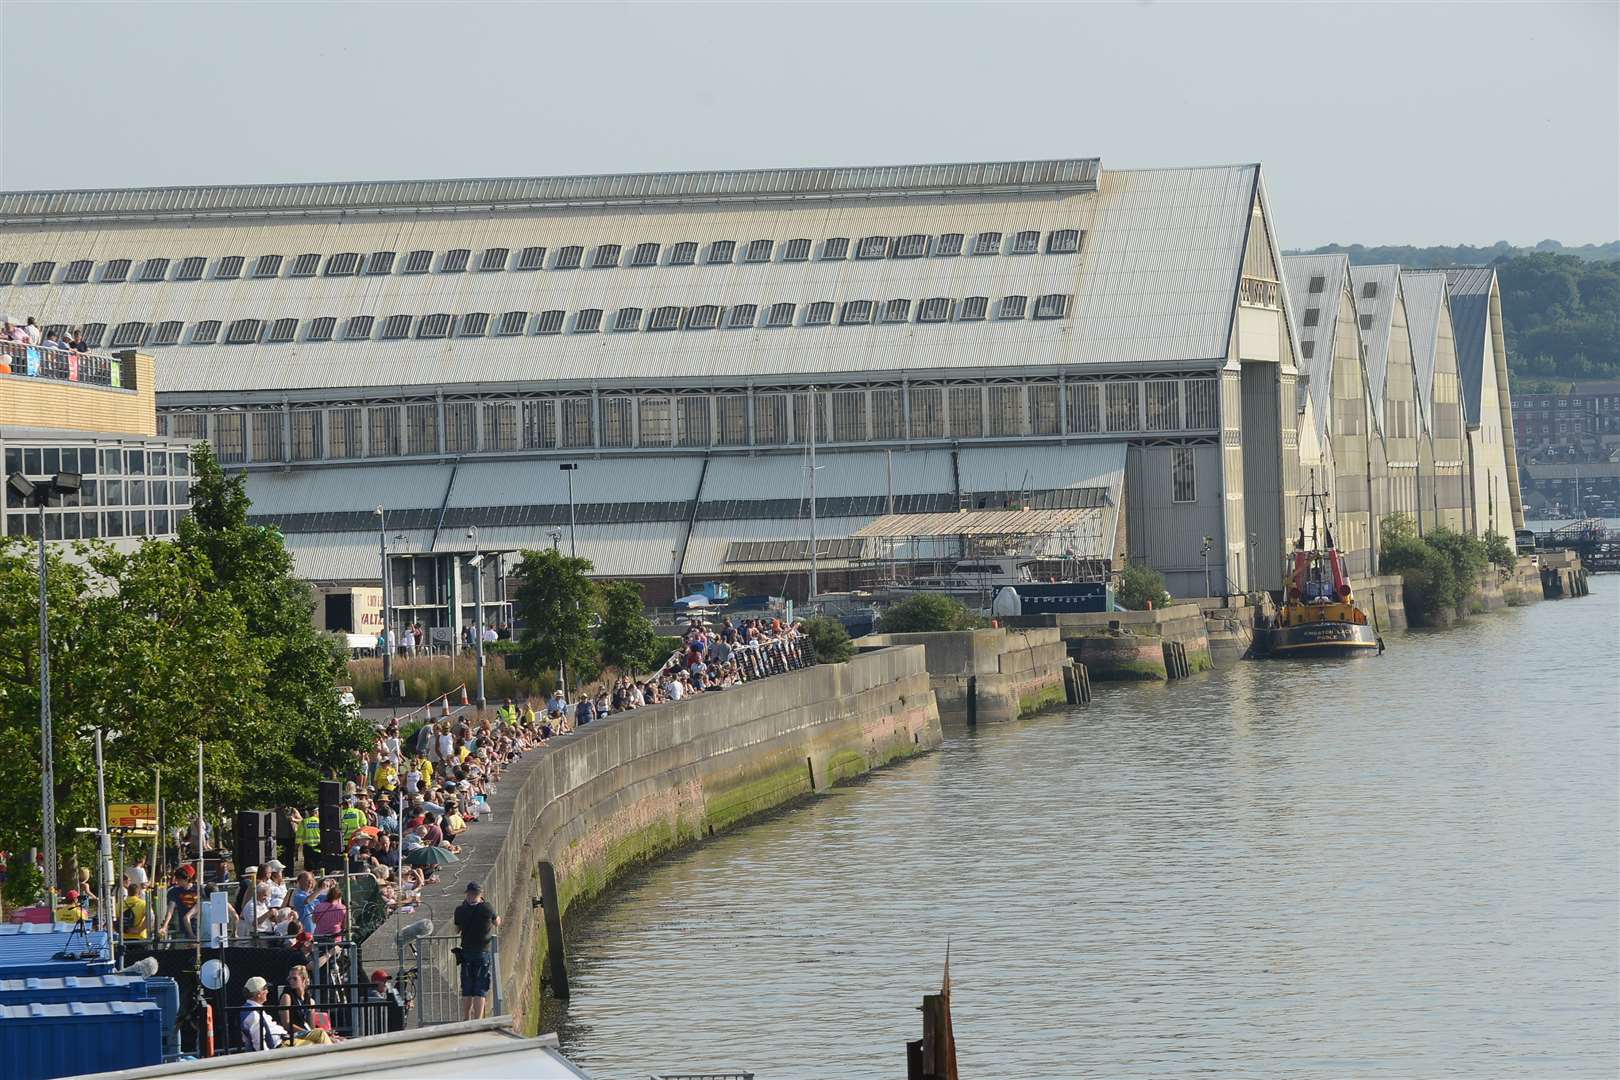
<point>63,365</point>
<point>431,975</point>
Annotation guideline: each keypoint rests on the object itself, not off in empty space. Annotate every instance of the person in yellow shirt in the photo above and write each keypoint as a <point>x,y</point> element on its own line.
<point>137,913</point>
<point>387,778</point>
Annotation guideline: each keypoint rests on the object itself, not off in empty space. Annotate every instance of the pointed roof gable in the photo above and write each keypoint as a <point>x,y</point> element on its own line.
<point>1425,295</point>
<point>1471,323</point>
<point>1376,289</point>
<point>1315,283</point>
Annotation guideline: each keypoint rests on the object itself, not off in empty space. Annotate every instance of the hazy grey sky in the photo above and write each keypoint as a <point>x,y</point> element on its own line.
<point>1376,122</point>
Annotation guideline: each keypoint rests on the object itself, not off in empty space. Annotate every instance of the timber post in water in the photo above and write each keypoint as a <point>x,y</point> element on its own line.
<point>933,1057</point>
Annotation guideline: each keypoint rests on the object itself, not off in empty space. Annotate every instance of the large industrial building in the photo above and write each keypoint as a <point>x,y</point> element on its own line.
<point>1108,352</point>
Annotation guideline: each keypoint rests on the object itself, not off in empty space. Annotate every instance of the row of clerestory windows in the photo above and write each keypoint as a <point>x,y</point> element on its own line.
<point>567,257</point>
<point>252,331</point>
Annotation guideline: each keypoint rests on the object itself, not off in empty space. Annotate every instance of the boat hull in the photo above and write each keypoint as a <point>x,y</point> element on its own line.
<point>1319,639</point>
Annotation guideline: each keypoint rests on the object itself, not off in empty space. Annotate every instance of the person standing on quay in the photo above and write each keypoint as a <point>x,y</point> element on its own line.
<point>476,920</point>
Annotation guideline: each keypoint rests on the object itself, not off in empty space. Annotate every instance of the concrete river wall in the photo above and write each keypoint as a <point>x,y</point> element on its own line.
<point>638,784</point>
<point>984,676</point>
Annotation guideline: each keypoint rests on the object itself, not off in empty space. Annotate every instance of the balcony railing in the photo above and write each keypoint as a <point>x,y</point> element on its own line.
<point>1257,292</point>
<point>65,365</point>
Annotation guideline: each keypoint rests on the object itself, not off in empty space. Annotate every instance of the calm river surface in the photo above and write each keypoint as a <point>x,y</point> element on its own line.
<point>1402,867</point>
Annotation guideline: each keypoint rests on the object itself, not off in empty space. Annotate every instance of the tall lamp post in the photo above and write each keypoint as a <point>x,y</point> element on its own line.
<point>571,467</point>
<point>40,495</point>
<point>1209,542</point>
<point>477,564</point>
<point>387,591</point>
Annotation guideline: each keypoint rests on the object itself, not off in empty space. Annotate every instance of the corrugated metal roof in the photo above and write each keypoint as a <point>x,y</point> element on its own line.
<point>1470,288</point>
<point>1155,281</point>
<point>706,552</point>
<point>1376,336</point>
<point>497,193</point>
<point>1316,370</point>
<point>1425,293</point>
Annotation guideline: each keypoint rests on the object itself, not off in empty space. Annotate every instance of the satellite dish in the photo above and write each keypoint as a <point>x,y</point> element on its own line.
<point>215,974</point>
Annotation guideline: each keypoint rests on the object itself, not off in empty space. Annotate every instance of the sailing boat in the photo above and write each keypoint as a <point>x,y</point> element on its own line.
<point>1318,617</point>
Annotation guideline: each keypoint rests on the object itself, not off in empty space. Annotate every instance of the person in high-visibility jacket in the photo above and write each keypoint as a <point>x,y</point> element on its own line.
<point>506,714</point>
<point>309,834</point>
<point>353,818</point>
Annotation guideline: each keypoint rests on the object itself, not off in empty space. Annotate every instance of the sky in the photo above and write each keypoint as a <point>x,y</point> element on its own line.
<point>1421,123</point>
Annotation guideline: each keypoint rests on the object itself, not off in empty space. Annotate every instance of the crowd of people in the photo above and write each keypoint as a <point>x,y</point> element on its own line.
<point>29,332</point>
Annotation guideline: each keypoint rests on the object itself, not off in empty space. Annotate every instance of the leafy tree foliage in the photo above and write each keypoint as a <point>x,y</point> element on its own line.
<point>1501,553</point>
<point>1438,570</point>
<point>557,603</point>
<point>627,639</point>
<point>306,729</point>
<point>205,638</point>
<point>829,639</point>
<point>927,613</point>
<point>1138,585</point>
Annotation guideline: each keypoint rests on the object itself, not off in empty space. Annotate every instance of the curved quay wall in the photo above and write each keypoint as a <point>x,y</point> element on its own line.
<point>639,784</point>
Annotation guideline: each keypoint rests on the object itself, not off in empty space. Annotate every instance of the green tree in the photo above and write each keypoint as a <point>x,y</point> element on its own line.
<point>1139,585</point>
<point>1501,553</point>
<point>306,730</point>
<point>627,639</point>
<point>927,613</point>
<point>557,603</point>
<point>829,639</point>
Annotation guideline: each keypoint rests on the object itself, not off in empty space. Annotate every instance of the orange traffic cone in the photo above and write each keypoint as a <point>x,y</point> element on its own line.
<point>446,701</point>
<point>464,694</point>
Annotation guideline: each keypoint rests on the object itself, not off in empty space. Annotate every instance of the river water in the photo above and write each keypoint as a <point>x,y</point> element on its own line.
<point>1394,867</point>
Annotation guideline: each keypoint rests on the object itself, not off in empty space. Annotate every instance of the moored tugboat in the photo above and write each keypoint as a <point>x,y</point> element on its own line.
<point>1318,616</point>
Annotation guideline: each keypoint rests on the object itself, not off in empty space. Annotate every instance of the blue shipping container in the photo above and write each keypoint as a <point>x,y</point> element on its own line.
<point>38,1042</point>
<point>46,991</point>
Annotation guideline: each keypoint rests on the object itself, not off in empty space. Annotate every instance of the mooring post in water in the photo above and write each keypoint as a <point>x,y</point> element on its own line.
<point>973,699</point>
<point>555,962</point>
<point>933,1057</point>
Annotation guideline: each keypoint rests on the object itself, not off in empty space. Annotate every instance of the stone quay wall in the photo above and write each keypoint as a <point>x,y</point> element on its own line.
<point>636,785</point>
<point>1130,645</point>
<point>992,675</point>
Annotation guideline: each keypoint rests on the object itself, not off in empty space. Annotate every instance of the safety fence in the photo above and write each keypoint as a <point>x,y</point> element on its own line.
<point>428,970</point>
<point>63,365</point>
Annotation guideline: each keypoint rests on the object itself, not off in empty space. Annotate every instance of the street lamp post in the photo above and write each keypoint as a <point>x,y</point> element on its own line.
<point>477,564</point>
<point>39,495</point>
<point>571,467</point>
<point>387,591</point>
<point>1209,542</point>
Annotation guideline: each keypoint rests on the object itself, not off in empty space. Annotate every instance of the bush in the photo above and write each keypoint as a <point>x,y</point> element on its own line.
<point>927,613</point>
<point>1139,584</point>
<point>1500,552</point>
<point>1438,571</point>
<point>829,639</point>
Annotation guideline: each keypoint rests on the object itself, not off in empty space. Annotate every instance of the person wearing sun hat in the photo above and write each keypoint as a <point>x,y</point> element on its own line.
<point>260,1030</point>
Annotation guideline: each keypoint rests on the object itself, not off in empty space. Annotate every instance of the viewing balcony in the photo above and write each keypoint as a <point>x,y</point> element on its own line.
<point>57,388</point>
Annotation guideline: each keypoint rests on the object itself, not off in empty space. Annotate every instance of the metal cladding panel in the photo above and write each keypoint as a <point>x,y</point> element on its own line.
<point>644,478</point>
<point>1470,288</point>
<point>1425,293</point>
<point>363,486</point>
<point>1155,281</point>
<point>28,949</point>
<point>1042,467</point>
<point>1316,371</point>
<point>635,548</point>
<point>706,551</point>
<point>1376,337</point>
<point>783,476</point>
<point>78,1037</point>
